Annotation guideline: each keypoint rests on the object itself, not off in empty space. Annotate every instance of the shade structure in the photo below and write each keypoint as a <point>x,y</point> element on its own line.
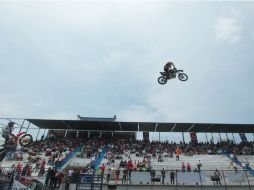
<point>100,125</point>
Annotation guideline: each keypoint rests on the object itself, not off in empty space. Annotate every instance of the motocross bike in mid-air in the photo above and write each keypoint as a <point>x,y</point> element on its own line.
<point>172,74</point>
<point>21,139</point>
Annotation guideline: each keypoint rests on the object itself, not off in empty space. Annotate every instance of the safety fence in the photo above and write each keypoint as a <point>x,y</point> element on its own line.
<point>178,178</point>
<point>9,179</point>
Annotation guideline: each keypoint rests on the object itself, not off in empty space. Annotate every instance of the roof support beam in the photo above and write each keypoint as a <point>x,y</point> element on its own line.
<point>67,124</point>
<point>155,129</point>
<point>120,126</point>
<point>210,126</point>
<point>191,127</point>
<point>173,128</point>
<point>138,126</point>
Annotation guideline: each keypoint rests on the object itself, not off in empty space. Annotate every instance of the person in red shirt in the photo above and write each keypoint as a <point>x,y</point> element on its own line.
<point>19,167</point>
<point>129,164</point>
<point>102,168</point>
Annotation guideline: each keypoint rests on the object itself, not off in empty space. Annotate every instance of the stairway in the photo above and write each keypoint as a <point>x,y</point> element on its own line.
<point>249,169</point>
<point>72,154</point>
<point>96,163</point>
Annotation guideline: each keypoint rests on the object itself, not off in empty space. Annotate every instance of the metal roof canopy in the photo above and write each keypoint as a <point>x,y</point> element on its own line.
<point>141,126</point>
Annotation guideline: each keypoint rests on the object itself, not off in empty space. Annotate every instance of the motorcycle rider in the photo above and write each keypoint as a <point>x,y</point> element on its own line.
<point>10,142</point>
<point>8,136</point>
<point>168,68</point>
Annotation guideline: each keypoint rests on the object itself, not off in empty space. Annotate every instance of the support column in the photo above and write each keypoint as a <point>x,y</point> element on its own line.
<point>88,135</point>
<point>44,134</point>
<point>220,138</point>
<point>159,137</point>
<point>21,126</point>
<point>212,137</point>
<point>112,133</point>
<point>183,138</point>
<point>100,134</point>
<point>38,134</point>
<point>77,134</point>
<point>28,127</point>
<point>233,138</point>
<point>206,138</point>
<point>227,137</point>
<point>65,134</point>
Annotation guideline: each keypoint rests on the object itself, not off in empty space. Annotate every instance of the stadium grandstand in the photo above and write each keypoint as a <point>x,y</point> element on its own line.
<point>103,153</point>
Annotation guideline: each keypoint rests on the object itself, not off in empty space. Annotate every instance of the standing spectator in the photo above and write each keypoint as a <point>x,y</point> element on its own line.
<point>23,173</point>
<point>188,167</point>
<point>102,168</point>
<point>108,175</point>
<point>199,165</point>
<point>178,152</point>
<point>183,167</point>
<point>54,178</point>
<point>37,166</point>
<point>172,177</point>
<point>129,172</point>
<point>124,175</point>
<point>19,168</point>
<point>67,182</point>
<point>247,164</point>
<point>217,176</point>
<point>48,176</point>
<point>234,157</point>
<point>163,174</point>
<point>117,174</point>
<point>42,171</point>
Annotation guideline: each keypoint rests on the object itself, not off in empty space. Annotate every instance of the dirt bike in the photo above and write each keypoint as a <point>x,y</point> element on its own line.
<point>23,139</point>
<point>172,74</point>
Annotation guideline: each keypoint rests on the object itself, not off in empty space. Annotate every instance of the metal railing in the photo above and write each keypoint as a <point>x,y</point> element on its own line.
<point>225,180</point>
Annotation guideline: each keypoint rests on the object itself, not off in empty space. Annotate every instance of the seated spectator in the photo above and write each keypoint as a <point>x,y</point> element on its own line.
<point>188,167</point>
<point>199,165</point>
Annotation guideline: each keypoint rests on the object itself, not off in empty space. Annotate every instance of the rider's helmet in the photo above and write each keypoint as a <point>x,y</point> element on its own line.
<point>11,126</point>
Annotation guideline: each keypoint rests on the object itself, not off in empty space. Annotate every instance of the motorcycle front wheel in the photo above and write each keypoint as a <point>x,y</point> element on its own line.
<point>182,77</point>
<point>162,80</point>
<point>26,140</point>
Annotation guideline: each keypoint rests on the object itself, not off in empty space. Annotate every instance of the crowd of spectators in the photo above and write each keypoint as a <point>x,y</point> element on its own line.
<point>44,155</point>
<point>123,148</point>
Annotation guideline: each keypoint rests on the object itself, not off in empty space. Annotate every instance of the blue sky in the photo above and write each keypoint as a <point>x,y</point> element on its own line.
<point>93,58</point>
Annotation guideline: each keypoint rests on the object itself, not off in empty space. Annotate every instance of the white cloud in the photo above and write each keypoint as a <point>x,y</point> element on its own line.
<point>226,29</point>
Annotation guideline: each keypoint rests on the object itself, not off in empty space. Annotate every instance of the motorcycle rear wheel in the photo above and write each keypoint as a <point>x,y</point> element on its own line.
<point>26,140</point>
<point>162,80</point>
<point>182,77</point>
